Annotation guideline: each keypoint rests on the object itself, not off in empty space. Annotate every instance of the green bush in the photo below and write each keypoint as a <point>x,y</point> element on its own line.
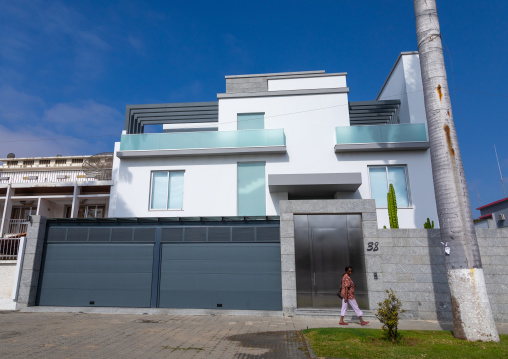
<point>388,315</point>
<point>428,225</point>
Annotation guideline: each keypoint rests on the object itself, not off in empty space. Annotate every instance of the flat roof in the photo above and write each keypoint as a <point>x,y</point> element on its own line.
<point>277,74</point>
<point>496,202</point>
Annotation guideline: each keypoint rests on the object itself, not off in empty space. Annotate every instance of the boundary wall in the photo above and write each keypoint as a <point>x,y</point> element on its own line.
<point>410,261</point>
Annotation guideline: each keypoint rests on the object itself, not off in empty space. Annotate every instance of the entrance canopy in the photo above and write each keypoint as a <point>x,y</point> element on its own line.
<point>319,183</point>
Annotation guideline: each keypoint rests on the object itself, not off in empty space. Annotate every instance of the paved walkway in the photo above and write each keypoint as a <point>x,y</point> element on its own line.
<point>92,335</point>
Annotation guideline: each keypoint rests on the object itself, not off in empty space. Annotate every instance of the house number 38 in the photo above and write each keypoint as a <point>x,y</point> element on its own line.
<point>372,246</point>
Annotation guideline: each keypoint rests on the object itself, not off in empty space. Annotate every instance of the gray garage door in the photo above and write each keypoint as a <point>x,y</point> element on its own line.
<point>220,275</point>
<point>104,275</point>
<point>97,266</point>
<point>187,265</point>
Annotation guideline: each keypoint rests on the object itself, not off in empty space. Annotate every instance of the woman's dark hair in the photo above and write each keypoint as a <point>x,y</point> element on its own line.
<point>347,267</point>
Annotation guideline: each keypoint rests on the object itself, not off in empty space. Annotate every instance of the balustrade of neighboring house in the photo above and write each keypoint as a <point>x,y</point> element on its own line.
<point>16,227</point>
<point>48,176</point>
<point>9,248</point>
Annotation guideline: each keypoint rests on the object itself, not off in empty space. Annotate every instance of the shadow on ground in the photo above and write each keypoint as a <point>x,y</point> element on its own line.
<point>280,345</point>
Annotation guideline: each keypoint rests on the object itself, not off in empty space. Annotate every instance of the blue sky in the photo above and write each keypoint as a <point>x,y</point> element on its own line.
<point>68,69</point>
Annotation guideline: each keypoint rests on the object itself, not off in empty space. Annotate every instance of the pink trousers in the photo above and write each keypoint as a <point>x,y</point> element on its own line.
<point>354,305</point>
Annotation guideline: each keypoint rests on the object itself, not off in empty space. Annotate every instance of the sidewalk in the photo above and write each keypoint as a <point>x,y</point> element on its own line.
<point>56,335</point>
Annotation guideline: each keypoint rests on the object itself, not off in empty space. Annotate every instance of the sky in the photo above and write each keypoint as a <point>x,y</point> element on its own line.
<point>69,68</point>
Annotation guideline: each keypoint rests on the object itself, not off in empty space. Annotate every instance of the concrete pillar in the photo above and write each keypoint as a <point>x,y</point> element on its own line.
<point>6,216</point>
<point>31,262</point>
<point>75,202</point>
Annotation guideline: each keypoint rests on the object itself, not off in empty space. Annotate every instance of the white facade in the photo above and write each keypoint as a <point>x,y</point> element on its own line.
<point>308,107</point>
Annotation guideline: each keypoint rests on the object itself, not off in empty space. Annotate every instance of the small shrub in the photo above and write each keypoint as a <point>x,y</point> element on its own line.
<point>428,224</point>
<point>388,315</point>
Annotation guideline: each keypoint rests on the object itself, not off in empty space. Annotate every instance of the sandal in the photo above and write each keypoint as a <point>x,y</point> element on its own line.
<point>343,323</point>
<point>364,323</point>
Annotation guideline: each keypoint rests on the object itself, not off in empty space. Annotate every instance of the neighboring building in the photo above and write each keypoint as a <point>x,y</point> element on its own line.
<point>54,187</point>
<point>493,215</point>
<point>274,137</point>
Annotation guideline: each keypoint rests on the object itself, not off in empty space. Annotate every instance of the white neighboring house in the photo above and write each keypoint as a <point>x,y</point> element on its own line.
<point>54,187</point>
<point>275,137</point>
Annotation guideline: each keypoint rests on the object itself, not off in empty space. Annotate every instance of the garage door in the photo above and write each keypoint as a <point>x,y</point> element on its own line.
<point>186,265</point>
<point>105,267</point>
<point>220,275</point>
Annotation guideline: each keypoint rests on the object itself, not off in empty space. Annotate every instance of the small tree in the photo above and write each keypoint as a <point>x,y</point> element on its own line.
<point>392,208</point>
<point>388,315</point>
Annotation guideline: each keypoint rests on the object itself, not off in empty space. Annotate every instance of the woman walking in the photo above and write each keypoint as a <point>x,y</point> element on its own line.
<point>348,297</point>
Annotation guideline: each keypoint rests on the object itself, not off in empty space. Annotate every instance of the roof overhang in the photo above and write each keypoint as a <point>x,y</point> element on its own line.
<point>314,183</point>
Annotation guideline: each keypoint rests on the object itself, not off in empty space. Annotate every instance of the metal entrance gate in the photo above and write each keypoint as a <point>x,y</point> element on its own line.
<point>324,245</point>
<point>195,265</point>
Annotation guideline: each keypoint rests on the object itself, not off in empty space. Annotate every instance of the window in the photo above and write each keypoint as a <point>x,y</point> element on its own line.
<point>381,177</point>
<point>166,190</point>
<point>251,121</point>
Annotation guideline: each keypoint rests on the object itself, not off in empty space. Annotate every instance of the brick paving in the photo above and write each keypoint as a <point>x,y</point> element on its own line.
<point>73,335</point>
<point>93,335</point>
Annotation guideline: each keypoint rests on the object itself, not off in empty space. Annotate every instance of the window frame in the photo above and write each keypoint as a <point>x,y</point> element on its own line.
<point>406,177</point>
<point>168,188</point>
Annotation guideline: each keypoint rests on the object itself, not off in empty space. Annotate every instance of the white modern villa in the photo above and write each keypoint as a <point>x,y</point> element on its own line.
<point>280,136</point>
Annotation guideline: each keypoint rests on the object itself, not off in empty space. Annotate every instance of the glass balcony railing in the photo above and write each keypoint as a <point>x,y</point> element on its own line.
<point>369,134</point>
<point>202,140</point>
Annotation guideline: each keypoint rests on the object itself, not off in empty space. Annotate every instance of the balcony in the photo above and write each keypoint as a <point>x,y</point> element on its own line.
<point>53,176</point>
<point>202,143</point>
<point>399,137</point>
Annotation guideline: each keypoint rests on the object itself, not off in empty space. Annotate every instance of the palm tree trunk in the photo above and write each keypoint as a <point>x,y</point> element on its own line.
<point>472,314</point>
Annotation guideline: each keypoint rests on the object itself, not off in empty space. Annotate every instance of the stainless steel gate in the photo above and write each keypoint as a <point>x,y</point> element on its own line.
<point>324,245</point>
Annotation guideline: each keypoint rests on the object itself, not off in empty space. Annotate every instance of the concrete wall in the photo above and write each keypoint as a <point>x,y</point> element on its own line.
<point>409,261</point>
<point>412,263</point>
<point>7,274</point>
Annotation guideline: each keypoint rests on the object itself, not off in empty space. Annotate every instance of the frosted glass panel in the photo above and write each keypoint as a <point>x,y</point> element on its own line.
<point>378,185</point>
<point>159,190</point>
<point>176,190</point>
<point>397,177</point>
<point>203,139</point>
<point>251,121</point>
<point>409,132</point>
<point>251,189</point>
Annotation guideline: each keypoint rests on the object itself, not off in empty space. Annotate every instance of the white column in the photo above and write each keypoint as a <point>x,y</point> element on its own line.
<point>75,202</point>
<point>19,268</point>
<point>6,216</point>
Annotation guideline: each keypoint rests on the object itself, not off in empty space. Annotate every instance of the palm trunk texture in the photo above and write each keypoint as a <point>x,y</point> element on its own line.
<point>472,314</point>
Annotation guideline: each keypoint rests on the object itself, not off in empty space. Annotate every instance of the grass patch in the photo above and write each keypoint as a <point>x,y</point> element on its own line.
<point>362,343</point>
